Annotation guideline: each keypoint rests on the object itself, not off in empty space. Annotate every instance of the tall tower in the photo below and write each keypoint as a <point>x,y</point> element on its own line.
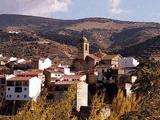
<point>83,48</point>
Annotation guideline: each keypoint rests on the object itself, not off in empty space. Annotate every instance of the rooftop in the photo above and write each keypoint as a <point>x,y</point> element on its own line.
<point>2,76</point>
<point>19,78</point>
<point>72,76</point>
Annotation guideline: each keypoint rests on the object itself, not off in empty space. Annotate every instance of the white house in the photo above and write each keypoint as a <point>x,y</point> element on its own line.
<point>127,62</point>
<point>56,74</point>
<point>65,70</point>
<point>42,63</point>
<point>82,95</point>
<point>23,88</point>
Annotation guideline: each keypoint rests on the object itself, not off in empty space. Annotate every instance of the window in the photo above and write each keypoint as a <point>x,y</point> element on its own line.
<point>17,96</point>
<point>1,94</point>
<point>8,89</point>
<point>86,47</point>
<point>25,83</point>
<point>18,83</point>
<point>10,83</point>
<point>25,96</point>
<point>10,96</point>
<point>3,80</point>
<point>18,89</point>
<point>25,89</point>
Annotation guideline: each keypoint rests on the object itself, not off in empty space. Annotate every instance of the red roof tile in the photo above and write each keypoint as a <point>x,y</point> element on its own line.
<point>29,73</point>
<point>19,78</point>
<point>72,76</point>
<point>63,83</point>
<point>2,76</point>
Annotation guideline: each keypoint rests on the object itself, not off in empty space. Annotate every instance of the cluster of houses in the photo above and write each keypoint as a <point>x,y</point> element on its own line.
<point>33,78</point>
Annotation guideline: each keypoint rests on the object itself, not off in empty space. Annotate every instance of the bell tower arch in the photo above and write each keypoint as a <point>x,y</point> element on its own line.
<point>83,48</point>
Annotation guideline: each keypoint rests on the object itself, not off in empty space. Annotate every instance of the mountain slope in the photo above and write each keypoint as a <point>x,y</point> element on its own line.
<point>102,33</point>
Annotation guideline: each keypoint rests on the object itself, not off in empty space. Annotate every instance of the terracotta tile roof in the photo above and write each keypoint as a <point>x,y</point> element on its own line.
<point>19,78</point>
<point>93,57</point>
<point>100,54</point>
<point>2,76</point>
<point>64,83</point>
<point>29,73</point>
<point>72,76</point>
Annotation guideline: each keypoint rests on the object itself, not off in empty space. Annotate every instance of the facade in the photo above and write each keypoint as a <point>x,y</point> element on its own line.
<point>111,60</point>
<point>23,88</point>
<point>42,63</point>
<point>2,86</point>
<point>82,95</point>
<point>127,62</point>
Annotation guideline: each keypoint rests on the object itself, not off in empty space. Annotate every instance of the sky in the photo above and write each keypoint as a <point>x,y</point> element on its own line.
<point>128,10</point>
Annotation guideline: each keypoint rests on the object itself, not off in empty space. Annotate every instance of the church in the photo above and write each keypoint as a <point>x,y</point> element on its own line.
<point>87,63</point>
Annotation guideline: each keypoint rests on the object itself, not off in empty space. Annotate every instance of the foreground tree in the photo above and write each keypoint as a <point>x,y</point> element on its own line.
<point>120,106</point>
<point>148,87</point>
<point>100,110</point>
<point>40,110</point>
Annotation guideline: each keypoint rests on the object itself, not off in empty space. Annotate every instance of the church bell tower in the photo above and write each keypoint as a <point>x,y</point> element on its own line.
<point>83,48</point>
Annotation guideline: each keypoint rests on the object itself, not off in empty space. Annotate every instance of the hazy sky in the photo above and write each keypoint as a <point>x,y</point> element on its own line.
<point>132,10</point>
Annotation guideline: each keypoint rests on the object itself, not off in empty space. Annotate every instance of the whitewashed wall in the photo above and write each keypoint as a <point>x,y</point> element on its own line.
<point>82,95</point>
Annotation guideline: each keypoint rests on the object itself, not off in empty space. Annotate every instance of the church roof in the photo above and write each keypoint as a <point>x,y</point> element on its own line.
<point>83,39</point>
<point>100,54</point>
<point>93,57</point>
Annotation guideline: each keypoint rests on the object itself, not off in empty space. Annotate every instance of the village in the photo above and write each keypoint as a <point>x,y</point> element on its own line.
<point>29,79</point>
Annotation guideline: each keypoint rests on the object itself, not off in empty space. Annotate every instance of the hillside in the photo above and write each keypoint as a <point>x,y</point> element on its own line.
<point>102,33</point>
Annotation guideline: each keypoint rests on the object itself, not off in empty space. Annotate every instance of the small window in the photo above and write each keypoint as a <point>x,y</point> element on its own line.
<point>10,83</point>
<point>8,89</point>
<point>1,94</point>
<point>25,96</point>
<point>86,47</point>
<point>17,96</point>
<point>25,89</point>
<point>18,89</point>
<point>10,96</point>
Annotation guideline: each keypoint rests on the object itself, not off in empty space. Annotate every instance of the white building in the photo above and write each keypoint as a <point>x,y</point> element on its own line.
<point>56,75</point>
<point>65,70</point>
<point>23,88</point>
<point>42,63</point>
<point>128,85</point>
<point>82,95</point>
<point>128,62</point>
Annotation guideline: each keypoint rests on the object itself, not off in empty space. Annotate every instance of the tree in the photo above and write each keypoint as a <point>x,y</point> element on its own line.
<point>148,87</point>
<point>100,110</point>
<point>122,105</point>
<point>59,110</point>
